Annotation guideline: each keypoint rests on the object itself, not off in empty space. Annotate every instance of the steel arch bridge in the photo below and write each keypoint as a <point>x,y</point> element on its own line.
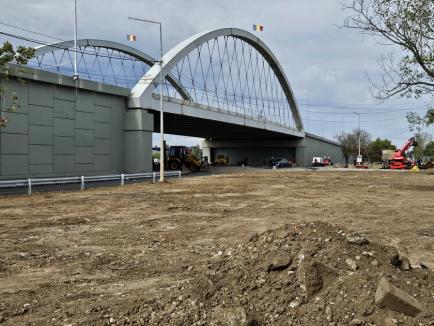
<point>224,77</point>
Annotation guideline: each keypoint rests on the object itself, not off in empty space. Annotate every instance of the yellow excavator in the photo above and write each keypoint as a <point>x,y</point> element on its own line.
<point>179,156</point>
<point>222,160</point>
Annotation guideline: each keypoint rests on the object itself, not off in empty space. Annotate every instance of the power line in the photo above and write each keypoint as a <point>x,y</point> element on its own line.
<point>352,121</point>
<point>30,31</point>
<point>357,107</point>
<point>39,42</point>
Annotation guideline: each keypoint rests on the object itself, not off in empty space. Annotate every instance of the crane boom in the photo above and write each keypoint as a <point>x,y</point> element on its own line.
<point>408,144</point>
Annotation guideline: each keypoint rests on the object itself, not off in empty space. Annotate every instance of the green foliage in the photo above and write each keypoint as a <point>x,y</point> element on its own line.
<point>408,25</point>
<point>422,139</point>
<point>429,149</point>
<point>375,148</point>
<point>156,155</point>
<point>418,122</point>
<point>20,56</point>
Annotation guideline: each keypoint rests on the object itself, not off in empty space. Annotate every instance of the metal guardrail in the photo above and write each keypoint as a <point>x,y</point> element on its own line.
<point>82,180</point>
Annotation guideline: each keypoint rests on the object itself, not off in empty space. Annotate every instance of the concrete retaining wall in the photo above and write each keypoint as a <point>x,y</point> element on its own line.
<point>317,146</point>
<point>60,130</point>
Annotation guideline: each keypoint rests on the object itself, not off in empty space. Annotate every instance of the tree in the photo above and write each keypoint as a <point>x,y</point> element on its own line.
<point>410,26</point>
<point>375,149</point>
<point>417,122</point>
<point>429,149</point>
<point>349,143</point>
<point>422,139</point>
<point>18,57</point>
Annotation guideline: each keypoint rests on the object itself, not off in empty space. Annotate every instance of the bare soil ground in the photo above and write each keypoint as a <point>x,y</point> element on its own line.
<point>101,255</point>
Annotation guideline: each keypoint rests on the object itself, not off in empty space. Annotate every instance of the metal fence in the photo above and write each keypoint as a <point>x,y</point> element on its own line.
<point>28,183</point>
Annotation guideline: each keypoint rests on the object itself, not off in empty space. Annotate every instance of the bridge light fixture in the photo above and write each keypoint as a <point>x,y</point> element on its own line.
<point>160,62</point>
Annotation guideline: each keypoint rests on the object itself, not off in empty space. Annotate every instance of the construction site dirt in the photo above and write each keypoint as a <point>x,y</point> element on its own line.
<point>246,247</point>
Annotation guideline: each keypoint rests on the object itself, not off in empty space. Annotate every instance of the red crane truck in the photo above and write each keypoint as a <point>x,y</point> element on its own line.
<point>399,161</point>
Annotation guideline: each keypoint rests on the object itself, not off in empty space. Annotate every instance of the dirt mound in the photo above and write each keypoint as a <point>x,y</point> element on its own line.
<point>300,274</point>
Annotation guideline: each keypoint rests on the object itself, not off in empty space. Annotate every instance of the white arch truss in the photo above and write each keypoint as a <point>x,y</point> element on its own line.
<point>44,49</point>
<point>142,92</point>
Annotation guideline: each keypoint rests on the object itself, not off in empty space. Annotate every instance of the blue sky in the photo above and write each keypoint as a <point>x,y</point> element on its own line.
<point>326,65</point>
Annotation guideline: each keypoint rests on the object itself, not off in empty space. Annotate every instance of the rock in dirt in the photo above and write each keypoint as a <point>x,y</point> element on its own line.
<point>357,238</point>
<point>230,317</point>
<point>254,237</point>
<point>395,299</point>
<point>279,264</point>
<point>351,264</point>
<point>205,288</point>
<point>404,264</point>
<point>390,322</point>
<point>356,322</point>
<point>309,278</point>
<point>315,276</point>
<point>393,256</point>
<point>427,265</point>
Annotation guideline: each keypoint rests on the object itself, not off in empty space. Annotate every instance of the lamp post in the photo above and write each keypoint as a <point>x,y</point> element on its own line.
<point>162,149</point>
<point>358,131</point>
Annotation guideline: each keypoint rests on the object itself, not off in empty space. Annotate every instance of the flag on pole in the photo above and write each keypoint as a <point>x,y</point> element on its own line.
<point>131,37</point>
<point>258,28</point>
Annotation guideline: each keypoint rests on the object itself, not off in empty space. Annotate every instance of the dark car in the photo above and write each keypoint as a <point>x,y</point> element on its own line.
<point>280,163</point>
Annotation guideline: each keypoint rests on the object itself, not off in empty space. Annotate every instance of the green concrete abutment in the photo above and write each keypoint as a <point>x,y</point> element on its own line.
<point>139,125</point>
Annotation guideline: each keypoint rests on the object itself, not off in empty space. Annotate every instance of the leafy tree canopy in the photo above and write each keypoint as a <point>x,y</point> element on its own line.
<point>422,139</point>
<point>429,149</point>
<point>376,147</point>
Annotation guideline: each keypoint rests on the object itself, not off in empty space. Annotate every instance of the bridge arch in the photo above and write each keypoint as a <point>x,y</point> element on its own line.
<point>142,91</point>
<point>122,48</point>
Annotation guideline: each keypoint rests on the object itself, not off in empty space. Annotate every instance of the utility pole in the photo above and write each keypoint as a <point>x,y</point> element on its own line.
<point>162,149</point>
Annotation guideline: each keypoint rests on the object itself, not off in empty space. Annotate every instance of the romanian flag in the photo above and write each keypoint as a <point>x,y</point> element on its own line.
<point>131,37</point>
<point>258,28</point>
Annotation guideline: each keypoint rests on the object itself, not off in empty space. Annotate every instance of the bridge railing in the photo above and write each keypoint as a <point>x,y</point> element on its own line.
<point>31,182</point>
<point>216,109</point>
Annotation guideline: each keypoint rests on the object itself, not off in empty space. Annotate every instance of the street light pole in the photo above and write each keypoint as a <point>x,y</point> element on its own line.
<point>162,149</point>
<point>358,132</point>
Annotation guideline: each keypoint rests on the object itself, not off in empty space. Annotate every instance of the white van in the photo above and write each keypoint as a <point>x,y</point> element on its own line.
<point>317,161</point>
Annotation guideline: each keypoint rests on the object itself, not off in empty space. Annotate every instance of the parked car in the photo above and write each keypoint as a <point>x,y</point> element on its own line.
<point>317,161</point>
<point>281,163</point>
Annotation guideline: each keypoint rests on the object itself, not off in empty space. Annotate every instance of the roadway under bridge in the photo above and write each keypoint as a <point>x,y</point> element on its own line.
<point>225,86</point>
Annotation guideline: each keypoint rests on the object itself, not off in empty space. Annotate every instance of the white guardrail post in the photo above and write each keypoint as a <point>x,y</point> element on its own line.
<point>153,177</point>
<point>29,186</point>
<point>82,183</point>
<point>122,179</point>
<point>179,174</point>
